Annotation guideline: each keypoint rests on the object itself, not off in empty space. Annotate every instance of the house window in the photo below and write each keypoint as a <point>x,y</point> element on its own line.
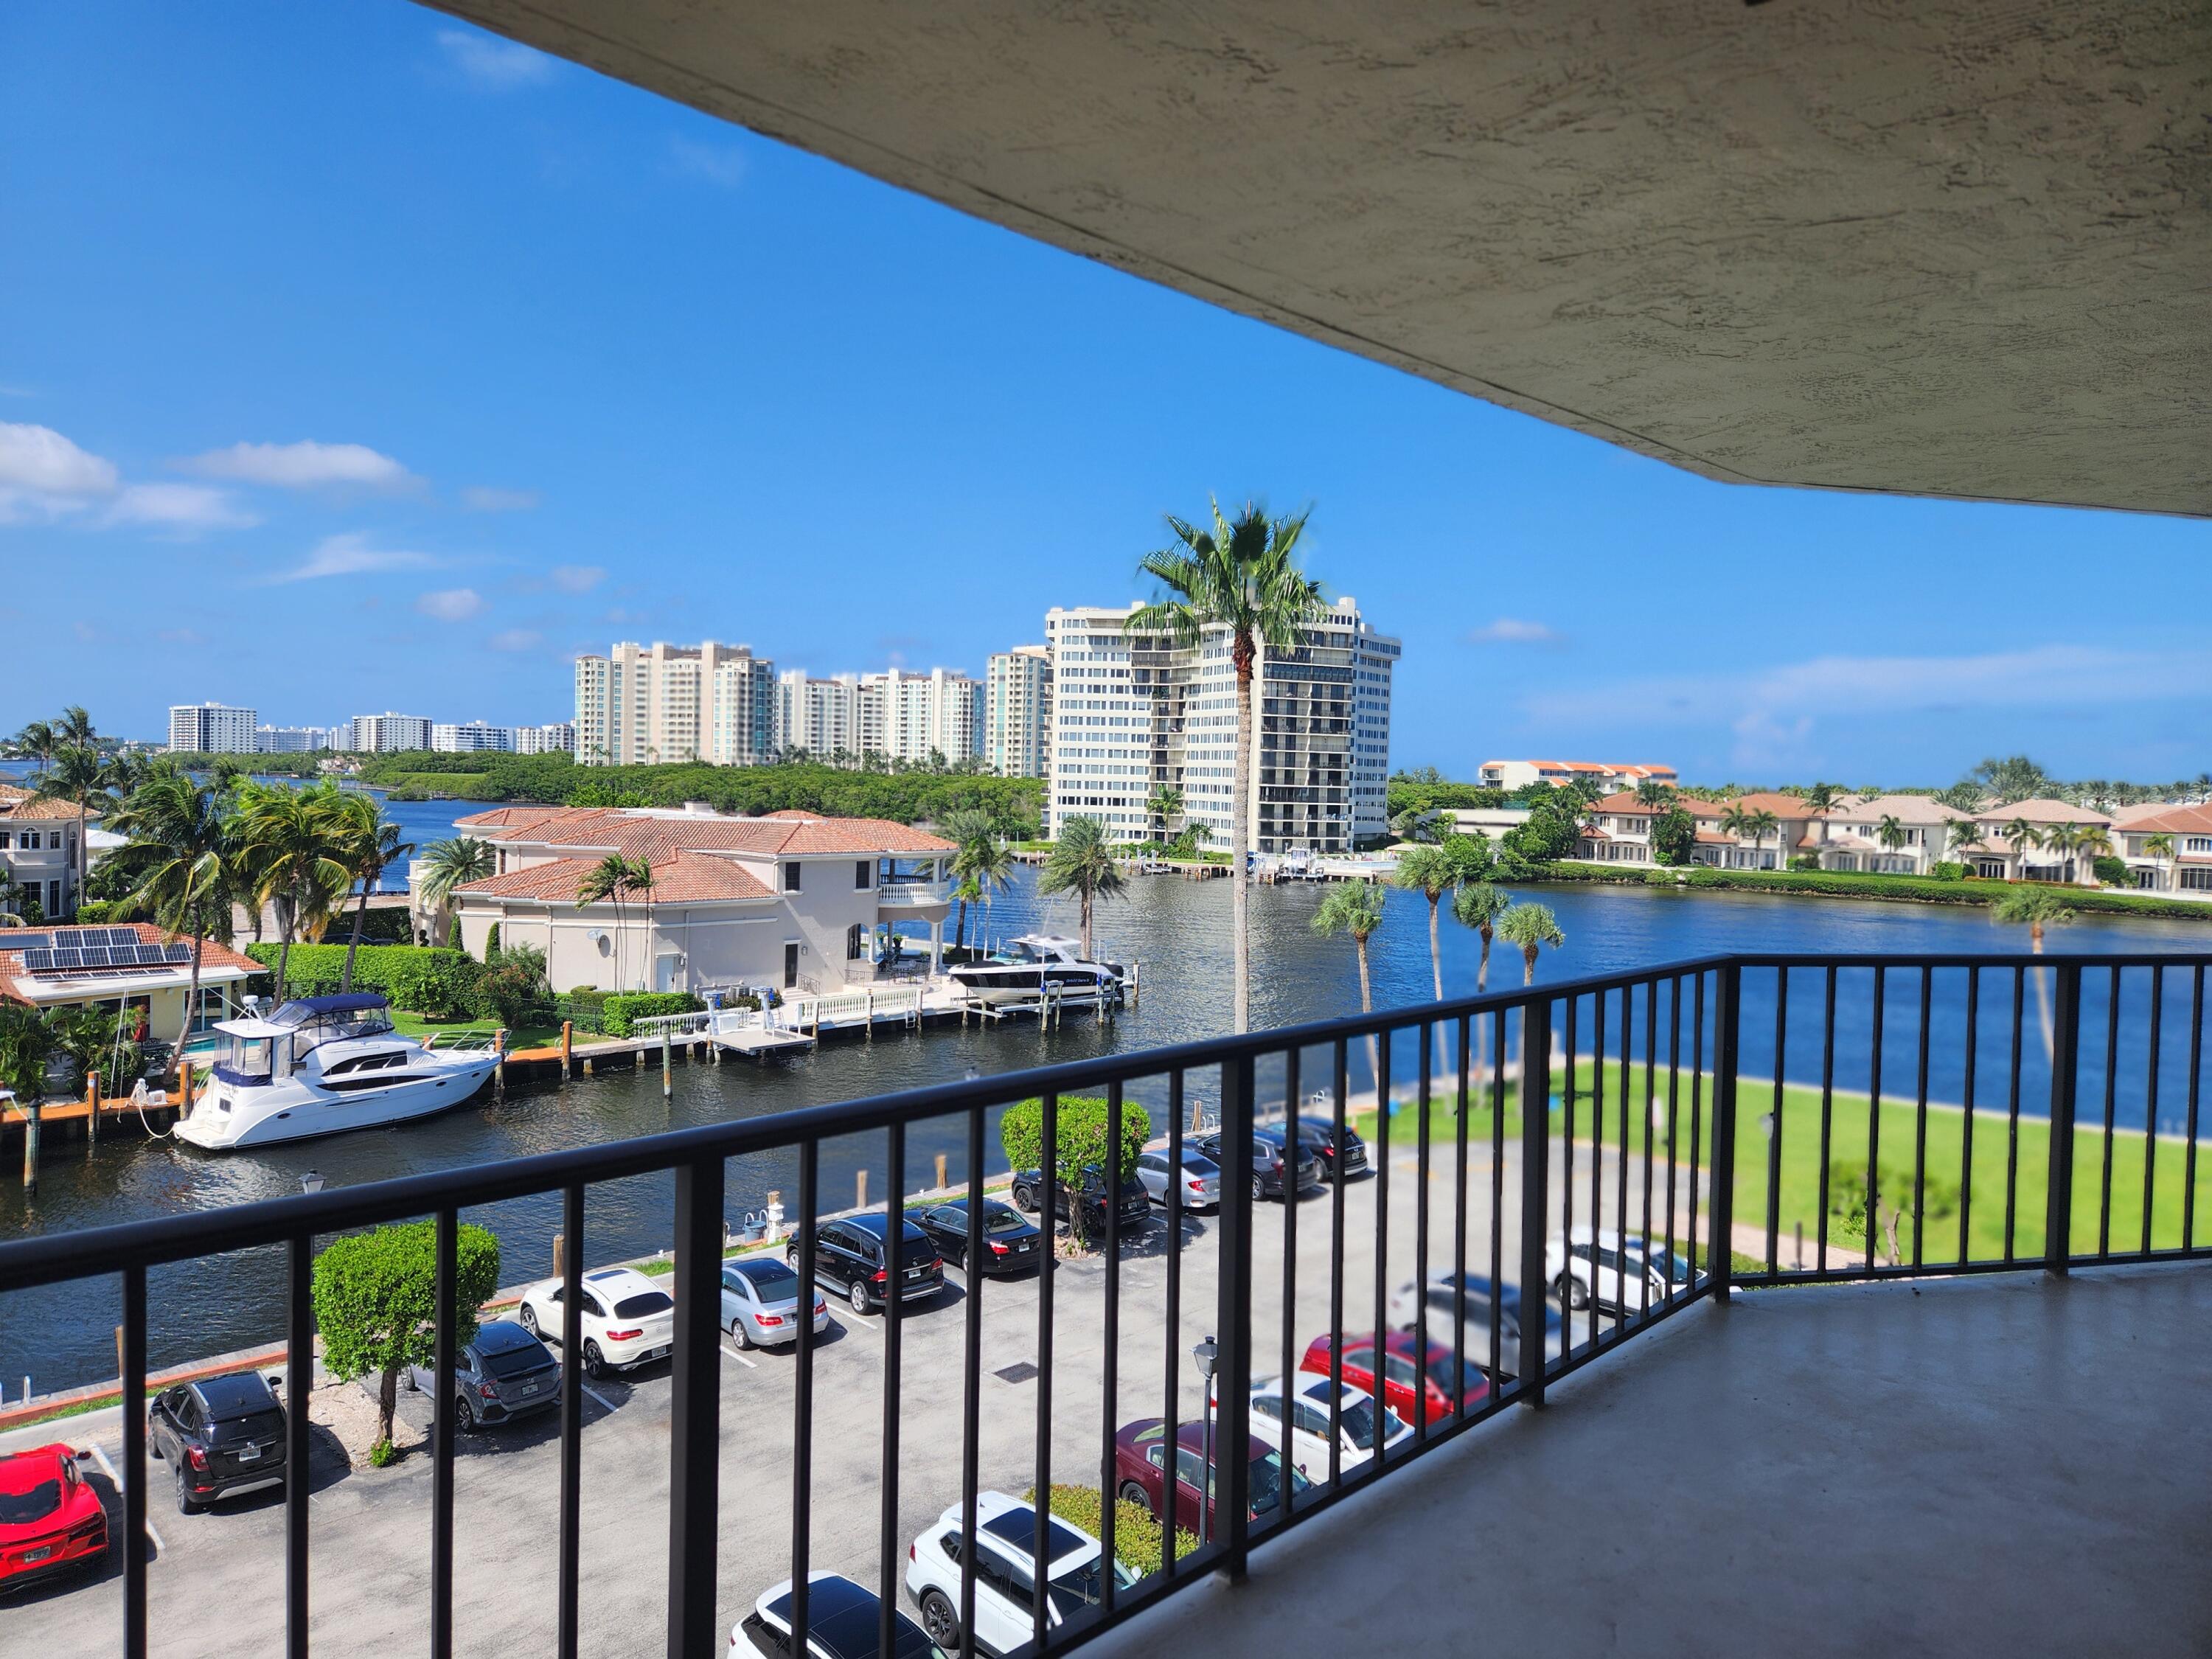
<point>791,876</point>
<point>854,947</point>
<point>2197,844</point>
<point>2198,881</point>
<point>863,872</point>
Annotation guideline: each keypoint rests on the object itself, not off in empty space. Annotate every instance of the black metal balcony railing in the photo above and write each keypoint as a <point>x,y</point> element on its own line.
<point>1605,1070</point>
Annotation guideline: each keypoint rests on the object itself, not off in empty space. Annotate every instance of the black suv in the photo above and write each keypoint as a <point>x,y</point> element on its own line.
<point>850,1254</point>
<point>1317,1136</point>
<point>221,1435</point>
<point>1272,1175</point>
<point>1084,1203</point>
<point>502,1373</point>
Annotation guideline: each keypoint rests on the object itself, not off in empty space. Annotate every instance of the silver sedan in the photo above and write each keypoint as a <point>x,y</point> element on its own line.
<point>1201,1179</point>
<point>760,1303</point>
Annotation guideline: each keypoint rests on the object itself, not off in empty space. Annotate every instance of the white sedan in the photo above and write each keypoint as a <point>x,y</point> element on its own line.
<point>1357,1412</point>
<point>1005,1607</point>
<point>627,1319</point>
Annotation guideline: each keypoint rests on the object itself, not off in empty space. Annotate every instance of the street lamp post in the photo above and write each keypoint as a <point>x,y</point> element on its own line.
<point>311,1182</point>
<point>1204,1353</point>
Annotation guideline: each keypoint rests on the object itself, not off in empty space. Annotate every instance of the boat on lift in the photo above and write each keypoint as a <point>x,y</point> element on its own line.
<point>321,1066</point>
<point>1023,967</point>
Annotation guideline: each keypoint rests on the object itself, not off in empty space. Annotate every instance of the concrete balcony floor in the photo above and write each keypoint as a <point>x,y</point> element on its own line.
<point>1998,1465</point>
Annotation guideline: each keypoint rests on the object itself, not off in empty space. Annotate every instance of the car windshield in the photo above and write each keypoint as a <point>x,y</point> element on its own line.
<point>1358,1417</point>
<point>1443,1369</point>
<point>770,1279</point>
<point>1668,1264</point>
<point>254,1425</point>
<point>1080,1587</point>
<point>1267,1483</point>
<point>643,1303</point>
<point>517,1362</point>
<point>998,1219</point>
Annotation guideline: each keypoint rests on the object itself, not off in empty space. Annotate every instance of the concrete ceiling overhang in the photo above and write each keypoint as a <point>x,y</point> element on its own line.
<point>1945,248</point>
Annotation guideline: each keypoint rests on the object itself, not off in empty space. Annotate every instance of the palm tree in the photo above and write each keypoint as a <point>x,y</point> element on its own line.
<point>2037,907</point>
<point>180,843</point>
<point>74,774</point>
<point>1165,805</point>
<point>1422,825</point>
<point>368,846</point>
<point>1355,908</point>
<point>1479,905</point>
<point>608,879</point>
<point>1738,820</point>
<point>639,880</point>
<point>1763,824</point>
<point>1531,927</point>
<point>980,862</point>
<point>2160,847</point>
<point>1821,799</point>
<point>295,840</point>
<point>1082,862</point>
<point>1890,833</point>
<point>2089,842</point>
<point>38,740</point>
<point>1433,871</point>
<point>2022,834</point>
<point>1653,794</point>
<point>1242,576</point>
<point>450,864</point>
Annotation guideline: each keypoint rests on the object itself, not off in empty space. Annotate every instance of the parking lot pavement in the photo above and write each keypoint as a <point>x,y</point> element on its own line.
<point>217,1587</point>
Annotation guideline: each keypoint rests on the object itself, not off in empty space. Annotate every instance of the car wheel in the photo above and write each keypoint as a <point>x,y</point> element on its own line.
<point>1132,1492</point>
<point>465,1416</point>
<point>857,1294</point>
<point>1573,1293</point>
<point>184,1504</point>
<point>595,1364</point>
<point>1259,1189</point>
<point>530,1320</point>
<point>1024,1198</point>
<point>153,1446</point>
<point>940,1620</point>
<point>740,1333</point>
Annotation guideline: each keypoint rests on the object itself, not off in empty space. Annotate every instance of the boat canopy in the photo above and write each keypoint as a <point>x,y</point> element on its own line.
<point>300,1010</point>
<point>252,1029</point>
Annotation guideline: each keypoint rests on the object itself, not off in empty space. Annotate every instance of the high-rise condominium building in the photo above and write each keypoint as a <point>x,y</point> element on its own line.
<point>473,738</point>
<point>913,717</point>
<point>820,716</point>
<point>1134,713</point>
<point>559,738</point>
<point>1018,712</point>
<point>211,728</point>
<point>291,740</point>
<point>676,702</point>
<point>387,733</point>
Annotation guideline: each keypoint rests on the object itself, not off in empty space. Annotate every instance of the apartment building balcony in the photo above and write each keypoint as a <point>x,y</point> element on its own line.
<point>921,897</point>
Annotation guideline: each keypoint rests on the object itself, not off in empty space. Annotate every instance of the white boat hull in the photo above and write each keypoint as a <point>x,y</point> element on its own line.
<point>227,1117</point>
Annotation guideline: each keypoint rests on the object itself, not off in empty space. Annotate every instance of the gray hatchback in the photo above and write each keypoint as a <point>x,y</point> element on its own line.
<point>502,1373</point>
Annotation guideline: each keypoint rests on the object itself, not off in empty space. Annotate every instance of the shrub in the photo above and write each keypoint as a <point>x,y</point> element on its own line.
<point>2110,872</point>
<point>1136,1530</point>
<point>381,1453</point>
<point>491,943</point>
<point>1083,1136</point>
<point>376,1304</point>
<point>440,983</point>
<point>513,984</point>
<point>585,1008</point>
<point>620,1011</point>
<point>1947,870</point>
<point>1804,861</point>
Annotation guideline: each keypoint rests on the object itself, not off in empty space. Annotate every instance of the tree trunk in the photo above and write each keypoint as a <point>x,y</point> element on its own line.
<point>1528,966</point>
<point>1435,948</point>
<point>960,930</point>
<point>2042,991</point>
<point>388,1402</point>
<point>1482,968</point>
<point>1367,1006</point>
<point>285,912</point>
<point>1240,841</point>
<point>84,870</point>
<point>1087,924</point>
<point>359,915</point>
<point>191,999</point>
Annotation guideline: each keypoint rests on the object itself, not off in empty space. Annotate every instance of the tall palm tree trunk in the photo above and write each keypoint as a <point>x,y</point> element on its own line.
<point>84,870</point>
<point>2042,992</point>
<point>1240,840</point>
<point>360,916</point>
<point>1435,948</point>
<point>1086,922</point>
<point>1367,1006</point>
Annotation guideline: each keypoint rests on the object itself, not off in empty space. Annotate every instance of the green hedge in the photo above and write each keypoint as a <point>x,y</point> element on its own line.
<point>1083,1137</point>
<point>440,983</point>
<point>1843,883</point>
<point>618,1011</point>
<point>1137,1532</point>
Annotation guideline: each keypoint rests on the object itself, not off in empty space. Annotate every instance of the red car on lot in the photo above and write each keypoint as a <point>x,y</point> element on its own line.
<point>50,1518</point>
<point>1409,1387</point>
<point>1139,1473</point>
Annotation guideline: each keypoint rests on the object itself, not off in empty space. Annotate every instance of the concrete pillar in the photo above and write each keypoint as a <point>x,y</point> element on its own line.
<point>937,947</point>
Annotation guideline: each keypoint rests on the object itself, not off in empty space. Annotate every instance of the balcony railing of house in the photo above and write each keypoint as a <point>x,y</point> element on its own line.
<point>1630,1145</point>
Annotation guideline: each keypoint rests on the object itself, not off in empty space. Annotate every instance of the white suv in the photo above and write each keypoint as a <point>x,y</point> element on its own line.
<point>1357,1415</point>
<point>1005,1583</point>
<point>1614,1271</point>
<point>627,1318</point>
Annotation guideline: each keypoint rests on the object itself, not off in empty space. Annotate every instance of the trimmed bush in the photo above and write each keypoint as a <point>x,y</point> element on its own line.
<point>1083,1135</point>
<point>491,943</point>
<point>1137,1532</point>
<point>2112,871</point>
<point>619,1011</point>
<point>441,983</point>
<point>1947,870</point>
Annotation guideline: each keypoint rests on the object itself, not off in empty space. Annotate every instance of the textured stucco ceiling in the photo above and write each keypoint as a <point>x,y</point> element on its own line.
<point>1956,248</point>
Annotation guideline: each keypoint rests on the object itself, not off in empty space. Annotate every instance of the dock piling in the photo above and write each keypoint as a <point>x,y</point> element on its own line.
<point>861,1187</point>
<point>667,1084</point>
<point>92,1109</point>
<point>30,1145</point>
<point>567,1047</point>
<point>940,1172</point>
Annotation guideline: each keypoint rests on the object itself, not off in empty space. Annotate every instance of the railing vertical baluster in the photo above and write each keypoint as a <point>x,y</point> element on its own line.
<point>571,1568</point>
<point>1774,1134</point>
<point>442,1432</point>
<point>1041,1512</point>
<point>1728,990</point>
<point>1650,1104</point>
<point>888,1552</point>
<point>1173,1315</point>
<point>134,1462</point>
<point>1697,1105</point>
<point>1920,1116</point>
<point>1383,1211</point>
<point>1597,1170</point>
<point>1110,1381</point>
<point>1673,1102</point>
<point>299,1389</point>
<point>1459,1198</point>
<point>1535,1193</point>
<point>1340,1089</point>
<point>2111,1092</point>
<point>2188,1153</point>
<point>1290,1145</point>
<point>971,1374</point>
<point>1497,1191</point>
<point>1966,1127</point>
<point>802,1429</point>
<point>2012,1110</point>
<point>1620,1163</point>
<point>1874,1127</point>
<point>1566,1173</point>
<point>695,1424</point>
<point>2150,1100</point>
<point>1420,1232</point>
<point>2065,1036</point>
<point>1230,1466</point>
<point>1827,1113</point>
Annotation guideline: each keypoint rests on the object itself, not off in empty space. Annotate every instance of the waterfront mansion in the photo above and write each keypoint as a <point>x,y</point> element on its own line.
<point>794,899</point>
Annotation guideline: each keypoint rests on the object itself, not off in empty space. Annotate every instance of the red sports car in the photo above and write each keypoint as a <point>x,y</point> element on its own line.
<point>1439,1387</point>
<point>50,1518</point>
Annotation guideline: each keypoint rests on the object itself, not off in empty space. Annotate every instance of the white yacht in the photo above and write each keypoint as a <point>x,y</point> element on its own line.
<point>320,1065</point>
<point>1024,965</point>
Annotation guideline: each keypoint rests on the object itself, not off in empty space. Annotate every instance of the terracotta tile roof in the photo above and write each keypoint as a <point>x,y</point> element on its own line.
<point>19,804</point>
<point>2042,811</point>
<point>513,817</point>
<point>656,836</point>
<point>1625,804</point>
<point>213,957</point>
<point>2167,820</point>
<point>1777,802</point>
<point>1920,810</point>
<point>683,877</point>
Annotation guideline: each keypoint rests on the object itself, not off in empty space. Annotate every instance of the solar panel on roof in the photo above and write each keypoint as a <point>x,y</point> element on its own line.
<point>176,953</point>
<point>39,961</point>
<point>67,958</point>
<point>14,941</point>
<point>148,956</point>
<point>95,956</point>
<point>116,936</point>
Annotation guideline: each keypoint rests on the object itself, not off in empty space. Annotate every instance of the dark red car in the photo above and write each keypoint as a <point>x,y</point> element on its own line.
<point>1139,1462</point>
<point>1408,1387</point>
<point>50,1518</point>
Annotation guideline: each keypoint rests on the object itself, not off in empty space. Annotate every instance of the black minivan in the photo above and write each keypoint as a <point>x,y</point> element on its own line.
<point>221,1435</point>
<point>849,1253</point>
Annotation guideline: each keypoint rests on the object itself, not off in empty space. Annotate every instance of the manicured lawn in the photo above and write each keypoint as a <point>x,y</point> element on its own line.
<point>523,1036</point>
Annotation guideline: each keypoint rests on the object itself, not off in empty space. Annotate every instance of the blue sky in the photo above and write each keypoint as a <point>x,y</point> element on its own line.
<point>358,361</point>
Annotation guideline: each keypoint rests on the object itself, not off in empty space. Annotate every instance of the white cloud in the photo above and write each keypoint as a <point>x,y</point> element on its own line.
<point>717,164</point>
<point>1509,630</point>
<point>451,604</point>
<point>181,507</point>
<point>37,460</point>
<point>304,465</point>
<point>350,555</point>
<point>491,62</point>
<point>578,578</point>
<point>517,639</point>
<point>481,498</point>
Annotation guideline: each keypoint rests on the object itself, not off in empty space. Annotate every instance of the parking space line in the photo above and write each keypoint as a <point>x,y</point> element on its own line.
<point>856,1323</point>
<point>750,1366</point>
<point>605,1404</point>
<point>116,1480</point>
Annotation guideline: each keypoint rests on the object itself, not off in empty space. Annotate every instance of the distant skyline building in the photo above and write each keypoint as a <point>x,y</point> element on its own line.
<point>558,738</point>
<point>291,740</point>
<point>387,733</point>
<point>820,716</point>
<point>1135,713</point>
<point>914,716</point>
<point>1608,776</point>
<point>472,737</point>
<point>1018,712</point>
<point>211,728</point>
<point>664,703</point>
